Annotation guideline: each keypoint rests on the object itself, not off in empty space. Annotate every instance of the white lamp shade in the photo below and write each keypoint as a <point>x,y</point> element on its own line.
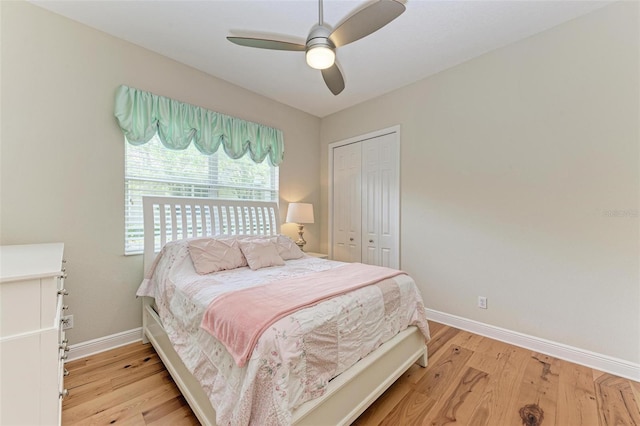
<point>300,213</point>
<point>320,57</point>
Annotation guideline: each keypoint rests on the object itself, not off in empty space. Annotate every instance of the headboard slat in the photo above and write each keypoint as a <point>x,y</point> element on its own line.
<point>203,219</point>
<point>174,227</point>
<point>194,222</point>
<point>178,218</point>
<point>163,226</point>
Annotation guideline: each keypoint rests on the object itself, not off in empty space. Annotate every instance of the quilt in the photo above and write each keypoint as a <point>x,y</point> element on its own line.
<point>297,356</point>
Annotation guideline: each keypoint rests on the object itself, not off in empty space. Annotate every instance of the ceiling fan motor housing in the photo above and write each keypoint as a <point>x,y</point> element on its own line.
<point>319,35</point>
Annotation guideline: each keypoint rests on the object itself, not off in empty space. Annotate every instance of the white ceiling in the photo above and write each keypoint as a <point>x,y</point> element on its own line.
<point>429,37</point>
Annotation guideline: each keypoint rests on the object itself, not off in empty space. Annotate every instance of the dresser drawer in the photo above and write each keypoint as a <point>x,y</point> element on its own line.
<point>20,307</point>
<point>31,336</point>
<point>20,366</point>
<point>49,383</point>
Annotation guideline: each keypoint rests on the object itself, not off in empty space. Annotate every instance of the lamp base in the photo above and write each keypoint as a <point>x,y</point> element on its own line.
<point>301,242</point>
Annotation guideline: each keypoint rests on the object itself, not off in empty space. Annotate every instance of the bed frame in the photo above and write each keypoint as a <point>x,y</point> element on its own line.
<point>347,395</point>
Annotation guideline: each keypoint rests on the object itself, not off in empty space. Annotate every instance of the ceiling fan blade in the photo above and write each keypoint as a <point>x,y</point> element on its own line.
<point>333,78</point>
<point>366,21</point>
<point>262,43</point>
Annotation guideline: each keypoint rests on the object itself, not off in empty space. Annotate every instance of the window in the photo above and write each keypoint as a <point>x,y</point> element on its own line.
<point>152,169</point>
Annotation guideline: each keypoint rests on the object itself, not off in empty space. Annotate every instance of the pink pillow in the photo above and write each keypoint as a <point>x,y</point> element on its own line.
<point>287,249</point>
<point>260,253</point>
<point>213,254</point>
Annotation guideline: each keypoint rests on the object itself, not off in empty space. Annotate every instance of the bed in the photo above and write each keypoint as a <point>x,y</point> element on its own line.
<point>169,222</point>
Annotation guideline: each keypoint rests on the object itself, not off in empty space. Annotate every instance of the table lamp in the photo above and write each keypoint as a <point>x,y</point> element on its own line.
<point>300,213</point>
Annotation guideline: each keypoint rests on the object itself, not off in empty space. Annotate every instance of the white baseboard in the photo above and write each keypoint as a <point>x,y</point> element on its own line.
<point>584,357</point>
<point>91,347</point>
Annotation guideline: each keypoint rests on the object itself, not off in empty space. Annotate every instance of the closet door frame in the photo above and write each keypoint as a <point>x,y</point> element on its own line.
<point>356,139</point>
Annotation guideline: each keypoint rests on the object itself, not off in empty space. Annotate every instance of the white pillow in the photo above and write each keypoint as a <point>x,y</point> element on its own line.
<point>287,249</point>
<point>215,254</point>
<point>260,253</point>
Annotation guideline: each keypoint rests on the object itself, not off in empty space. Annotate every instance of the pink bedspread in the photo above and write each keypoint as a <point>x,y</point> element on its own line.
<point>238,318</point>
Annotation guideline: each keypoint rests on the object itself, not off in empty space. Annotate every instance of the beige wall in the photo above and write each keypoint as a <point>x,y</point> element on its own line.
<point>514,167</point>
<point>61,169</point>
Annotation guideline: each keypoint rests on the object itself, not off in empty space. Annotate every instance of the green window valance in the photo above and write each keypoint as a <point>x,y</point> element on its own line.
<point>142,114</point>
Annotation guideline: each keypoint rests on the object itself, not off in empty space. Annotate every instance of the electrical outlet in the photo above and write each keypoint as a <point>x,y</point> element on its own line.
<point>482,302</point>
<point>67,322</point>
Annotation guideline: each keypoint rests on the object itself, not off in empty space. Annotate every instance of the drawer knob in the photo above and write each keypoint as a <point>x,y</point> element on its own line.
<point>370,241</point>
<point>65,307</point>
<point>64,393</point>
<point>351,239</point>
<point>66,372</point>
<point>65,356</point>
<point>63,292</point>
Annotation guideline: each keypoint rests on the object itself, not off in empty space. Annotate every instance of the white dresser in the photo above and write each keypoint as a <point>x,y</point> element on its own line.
<point>32,343</point>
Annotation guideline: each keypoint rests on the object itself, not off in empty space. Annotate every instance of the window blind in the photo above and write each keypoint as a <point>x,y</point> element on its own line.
<point>152,169</point>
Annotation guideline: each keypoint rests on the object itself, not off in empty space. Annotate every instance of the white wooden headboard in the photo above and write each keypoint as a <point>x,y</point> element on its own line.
<point>173,218</point>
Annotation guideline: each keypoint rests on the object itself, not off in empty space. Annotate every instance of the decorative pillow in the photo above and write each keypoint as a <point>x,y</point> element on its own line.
<point>287,249</point>
<point>260,253</point>
<point>215,254</point>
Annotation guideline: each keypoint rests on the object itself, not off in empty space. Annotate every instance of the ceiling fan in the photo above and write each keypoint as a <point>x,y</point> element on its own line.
<point>322,42</point>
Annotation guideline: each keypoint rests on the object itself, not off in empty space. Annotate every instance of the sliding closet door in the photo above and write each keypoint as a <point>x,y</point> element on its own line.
<point>346,212</point>
<point>380,201</point>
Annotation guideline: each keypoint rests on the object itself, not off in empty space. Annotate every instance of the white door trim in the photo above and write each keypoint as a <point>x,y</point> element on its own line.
<point>355,139</point>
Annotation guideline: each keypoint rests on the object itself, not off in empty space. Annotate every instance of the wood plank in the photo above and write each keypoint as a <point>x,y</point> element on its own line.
<point>443,371</point>
<point>175,413</point>
<point>434,327</point>
<point>635,389</point>
<point>129,411</point>
<point>123,367</point>
<point>415,373</point>
<point>470,378</point>
<point>111,400</point>
<point>412,410</point>
<point>89,369</point>
<point>440,339</point>
<point>577,403</point>
<point>504,365</point>
<point>85,384</point>
<point>617,401</point>
<point>438,375</point>
<point>537,394</point>
<point>467,340</point>
<point>109,356</point>
<point>461,401</point>
<point>166,411</point>
<point>103,384</point>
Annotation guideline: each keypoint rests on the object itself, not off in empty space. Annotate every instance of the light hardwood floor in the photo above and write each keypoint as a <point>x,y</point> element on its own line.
<point>471,380</point>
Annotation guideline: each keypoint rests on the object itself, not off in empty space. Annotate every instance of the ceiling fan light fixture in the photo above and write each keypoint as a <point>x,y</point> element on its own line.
<point>320,57</point>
